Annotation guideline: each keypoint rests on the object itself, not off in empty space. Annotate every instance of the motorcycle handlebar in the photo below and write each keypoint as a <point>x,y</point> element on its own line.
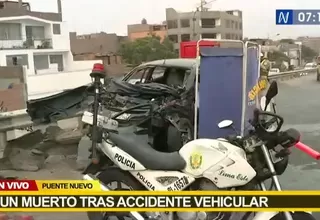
<point>308,150</point>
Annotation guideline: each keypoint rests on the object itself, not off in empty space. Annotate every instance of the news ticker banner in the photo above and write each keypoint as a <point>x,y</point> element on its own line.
<point>83,196</point>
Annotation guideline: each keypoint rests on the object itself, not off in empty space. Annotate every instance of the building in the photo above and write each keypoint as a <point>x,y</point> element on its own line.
<point>142,30</point>
<point>99,46</point>
<point>186,26</point>
<point>39,41</point>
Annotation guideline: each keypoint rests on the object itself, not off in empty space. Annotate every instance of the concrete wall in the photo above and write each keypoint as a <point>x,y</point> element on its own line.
<point>48,84</point>
<point>136,31</point>
<point>13,90</point>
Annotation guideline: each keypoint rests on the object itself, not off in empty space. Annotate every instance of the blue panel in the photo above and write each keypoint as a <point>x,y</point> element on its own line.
<point>220,93</point>
<point>251,81</point>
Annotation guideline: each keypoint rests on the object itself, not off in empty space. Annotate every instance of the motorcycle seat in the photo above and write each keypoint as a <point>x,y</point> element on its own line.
<point>146,155</point>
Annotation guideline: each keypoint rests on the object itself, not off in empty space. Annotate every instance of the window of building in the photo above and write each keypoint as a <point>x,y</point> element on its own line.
<point>209,35</point>
<point>172,24</point>
<point>184,23</point>
<point>185,37</point>
<point>56,29</point>
<point>208,23</point>
<point>35,32</point>
<point>232,24</point>
<point>57,59</point>
<point>108,60</point>
<point>240,25</point>
<point>228,36</point>
<point>228,23</point>
<point>41,62</point>
<point>115,59</point>
<point>10,31</point>
<point>240,37</point>
<point>236,25</point>
<point>173,38</point>
<point>17,60</point>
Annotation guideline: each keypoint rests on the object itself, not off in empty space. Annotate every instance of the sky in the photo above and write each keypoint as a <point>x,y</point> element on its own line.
<point>92,16</point>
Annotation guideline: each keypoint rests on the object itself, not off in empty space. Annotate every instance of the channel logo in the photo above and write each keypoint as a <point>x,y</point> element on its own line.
<point>284,17</point>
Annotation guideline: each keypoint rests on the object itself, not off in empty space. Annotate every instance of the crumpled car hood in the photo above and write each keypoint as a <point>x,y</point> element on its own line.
<point>72,102</point>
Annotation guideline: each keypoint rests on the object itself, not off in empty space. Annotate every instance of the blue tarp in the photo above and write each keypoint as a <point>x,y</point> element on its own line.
<point>220,90</point>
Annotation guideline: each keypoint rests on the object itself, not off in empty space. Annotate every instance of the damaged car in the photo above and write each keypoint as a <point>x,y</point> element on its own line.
<point>156,79</point>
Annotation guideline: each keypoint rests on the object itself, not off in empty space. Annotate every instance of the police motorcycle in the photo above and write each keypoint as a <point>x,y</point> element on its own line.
<point>202,164</point>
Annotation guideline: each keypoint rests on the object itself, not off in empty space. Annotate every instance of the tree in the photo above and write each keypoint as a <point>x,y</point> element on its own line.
<point>307,53</point>
<point>147,49</point>
<point>278,56</point>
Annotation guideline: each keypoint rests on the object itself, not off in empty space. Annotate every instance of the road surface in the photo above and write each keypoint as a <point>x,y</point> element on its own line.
<point>297,101</point>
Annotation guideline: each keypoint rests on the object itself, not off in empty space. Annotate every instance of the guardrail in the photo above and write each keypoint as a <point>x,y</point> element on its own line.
<point>291,74</point>
<point>14,120</point>
<point>10,121</point>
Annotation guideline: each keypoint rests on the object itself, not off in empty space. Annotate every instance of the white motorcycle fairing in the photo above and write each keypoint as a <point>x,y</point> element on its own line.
<point>122,159</point>
<point>221,162</point>
<point>152,179</point>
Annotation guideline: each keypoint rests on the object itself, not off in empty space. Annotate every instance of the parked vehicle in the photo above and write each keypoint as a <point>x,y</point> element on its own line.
<point>310,66</point>
<point>256,159</point>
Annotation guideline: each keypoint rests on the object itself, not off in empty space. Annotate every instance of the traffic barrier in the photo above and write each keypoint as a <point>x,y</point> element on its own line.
<point>292,74</point>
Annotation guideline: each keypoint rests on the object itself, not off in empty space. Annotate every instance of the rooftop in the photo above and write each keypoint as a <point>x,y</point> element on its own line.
<point>20,8</point>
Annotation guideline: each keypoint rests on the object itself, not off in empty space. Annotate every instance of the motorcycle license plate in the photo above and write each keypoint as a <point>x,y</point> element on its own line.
<point>273,156</point>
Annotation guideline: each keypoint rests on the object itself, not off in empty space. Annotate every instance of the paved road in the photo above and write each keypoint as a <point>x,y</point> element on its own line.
<point>298,102</point>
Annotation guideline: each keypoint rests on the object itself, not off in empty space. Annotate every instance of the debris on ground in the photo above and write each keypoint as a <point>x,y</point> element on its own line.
<point>30,151</point>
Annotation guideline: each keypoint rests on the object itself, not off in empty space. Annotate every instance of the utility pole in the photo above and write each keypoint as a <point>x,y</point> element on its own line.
<point>201,8</point>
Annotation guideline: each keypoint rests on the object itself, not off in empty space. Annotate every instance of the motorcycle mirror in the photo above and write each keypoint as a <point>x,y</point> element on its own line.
<point>272,92</point>
<point>225,123</point>
<point>263,104</point>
